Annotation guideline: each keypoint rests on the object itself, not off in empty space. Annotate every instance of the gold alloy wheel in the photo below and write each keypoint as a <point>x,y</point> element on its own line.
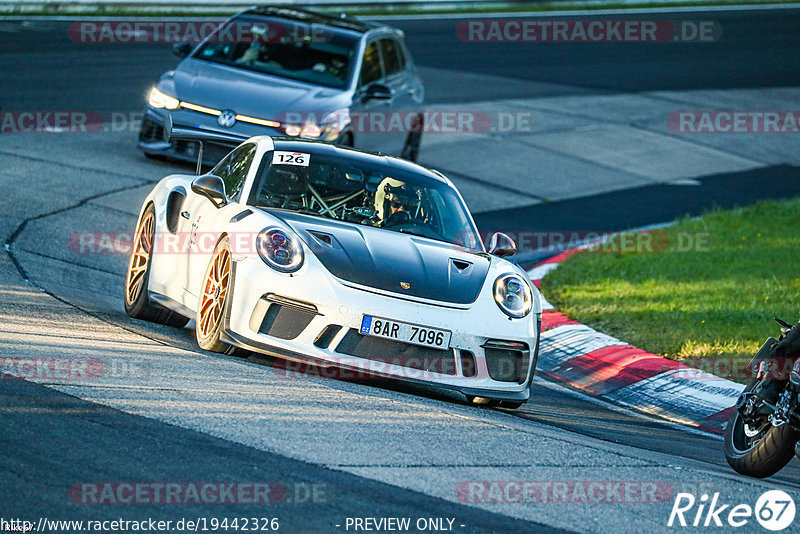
<point>140,257</point>
<point>214,291</point>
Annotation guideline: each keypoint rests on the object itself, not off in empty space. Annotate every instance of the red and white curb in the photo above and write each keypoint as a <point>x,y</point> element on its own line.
<point>607,367</point>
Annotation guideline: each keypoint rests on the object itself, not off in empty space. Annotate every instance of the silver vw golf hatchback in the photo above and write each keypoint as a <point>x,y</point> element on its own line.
<point>293,73</point>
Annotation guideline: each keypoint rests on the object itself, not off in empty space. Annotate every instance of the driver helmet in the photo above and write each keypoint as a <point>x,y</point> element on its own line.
<point>387,190</point>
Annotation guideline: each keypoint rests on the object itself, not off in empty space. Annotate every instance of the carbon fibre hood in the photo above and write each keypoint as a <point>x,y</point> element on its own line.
<point>390,261</point>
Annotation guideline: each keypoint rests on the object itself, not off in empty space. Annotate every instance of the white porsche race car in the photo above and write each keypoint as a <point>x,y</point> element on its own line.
<point>330,256</point>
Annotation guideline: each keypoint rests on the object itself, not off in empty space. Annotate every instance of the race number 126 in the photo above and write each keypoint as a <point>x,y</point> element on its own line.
<point>281,157</point>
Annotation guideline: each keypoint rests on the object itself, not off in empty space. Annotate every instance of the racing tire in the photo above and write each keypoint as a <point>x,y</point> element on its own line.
<point>211,310</point>
<point>762,454</point>
<point>137,302</point>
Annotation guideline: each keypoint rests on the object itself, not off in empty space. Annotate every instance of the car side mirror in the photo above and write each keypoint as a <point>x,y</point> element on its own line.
<point>212,187</point>
<point>183,49</point>
<point>377,91</point>
<point>501,245</point>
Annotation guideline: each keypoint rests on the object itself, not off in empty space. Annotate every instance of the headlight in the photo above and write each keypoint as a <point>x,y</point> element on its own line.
<point>513,295</point>
<point>280,250</point>
<point>334,123</point>
<point>293,130</point>
<point>329,129</point>
<point>157,99</point>
<point>309,130</point>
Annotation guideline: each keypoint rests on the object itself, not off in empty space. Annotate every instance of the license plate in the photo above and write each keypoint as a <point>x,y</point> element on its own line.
<point>415,334</point>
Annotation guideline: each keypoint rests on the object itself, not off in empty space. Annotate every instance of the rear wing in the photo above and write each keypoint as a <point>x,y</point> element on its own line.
<point>176,132</point>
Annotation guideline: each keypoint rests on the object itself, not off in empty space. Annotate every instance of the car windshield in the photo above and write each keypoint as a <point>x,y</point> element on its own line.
<point>360,192</point>
<point>302,52</point>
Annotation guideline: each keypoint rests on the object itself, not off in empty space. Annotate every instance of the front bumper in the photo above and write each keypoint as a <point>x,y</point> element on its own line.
<point>289,317</point>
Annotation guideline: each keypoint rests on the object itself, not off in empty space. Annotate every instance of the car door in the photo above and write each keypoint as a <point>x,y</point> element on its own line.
<point>405,105</point>
<point>206,222</point>
<point>368,114</point>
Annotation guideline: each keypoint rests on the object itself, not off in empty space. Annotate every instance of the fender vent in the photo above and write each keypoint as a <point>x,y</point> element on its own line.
<point>174,204</point>
<point>322,238</point>
<point>238,217</point>
<point>460,265</point>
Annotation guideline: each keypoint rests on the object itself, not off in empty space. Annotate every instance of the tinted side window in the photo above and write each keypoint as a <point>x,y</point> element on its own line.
<point>233,169</point>
<point>392,57</point>
<point>371,66</point>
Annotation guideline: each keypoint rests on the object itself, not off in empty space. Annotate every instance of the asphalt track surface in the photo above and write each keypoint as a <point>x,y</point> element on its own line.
<point>50,439</point>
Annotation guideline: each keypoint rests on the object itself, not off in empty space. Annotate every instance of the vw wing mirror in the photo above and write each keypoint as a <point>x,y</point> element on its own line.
<point>377,91</point>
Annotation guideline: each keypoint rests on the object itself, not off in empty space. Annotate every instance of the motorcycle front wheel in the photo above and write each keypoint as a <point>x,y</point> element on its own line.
<point>759,451</point>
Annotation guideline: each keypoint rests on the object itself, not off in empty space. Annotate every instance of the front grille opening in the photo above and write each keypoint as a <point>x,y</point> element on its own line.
<point>325,337</point>
<point>506,361</point>
<point>284,322</point>
<point>185,147</point>
<point>397,353</point>
<point>150,131</point>
<point>468,364</point>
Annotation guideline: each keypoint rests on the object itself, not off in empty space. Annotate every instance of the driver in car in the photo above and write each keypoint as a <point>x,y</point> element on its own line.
<point>391,203</point>
<point>396,205</point>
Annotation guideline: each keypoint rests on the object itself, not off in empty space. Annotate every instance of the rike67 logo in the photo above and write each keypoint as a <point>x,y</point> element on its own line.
<point>774,510</point>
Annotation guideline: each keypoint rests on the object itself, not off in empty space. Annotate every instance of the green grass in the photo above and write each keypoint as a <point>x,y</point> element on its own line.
<point>714,301</point>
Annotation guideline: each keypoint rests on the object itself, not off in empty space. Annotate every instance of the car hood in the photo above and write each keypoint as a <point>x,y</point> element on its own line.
<point>250,93</point>
<point>391,261</point>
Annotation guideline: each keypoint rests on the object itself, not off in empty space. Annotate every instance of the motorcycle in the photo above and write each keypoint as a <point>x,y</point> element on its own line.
<point>764,429</point>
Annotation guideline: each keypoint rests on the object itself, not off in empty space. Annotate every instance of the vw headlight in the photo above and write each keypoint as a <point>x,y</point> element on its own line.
<point>292,129</point>
<point>513,295</point>
<point>309,129</point>
<point>334,123</point>
<point>280,250</point>
<point>328,129</point>
<point>157,99</point>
